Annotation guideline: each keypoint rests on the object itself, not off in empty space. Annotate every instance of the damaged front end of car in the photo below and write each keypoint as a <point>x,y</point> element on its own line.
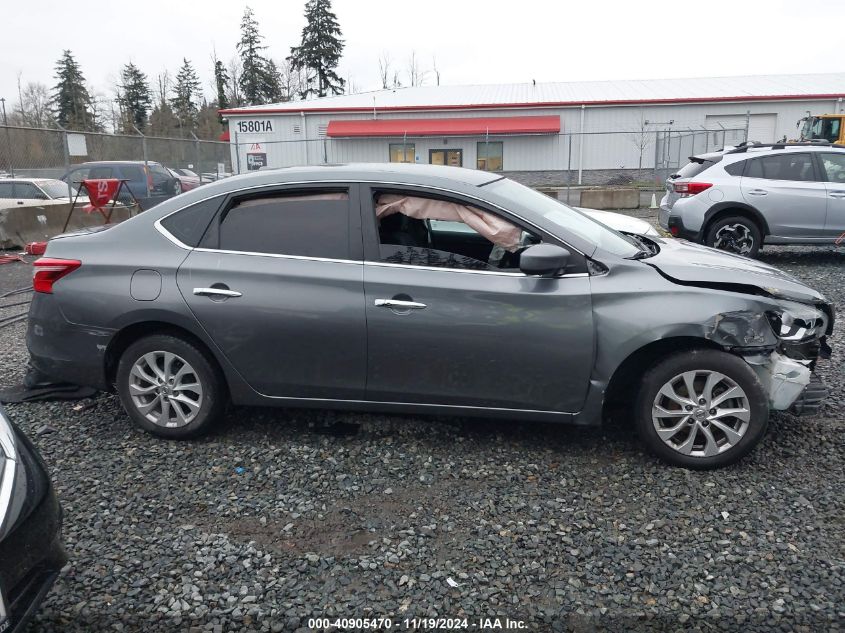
<point>782,345</point>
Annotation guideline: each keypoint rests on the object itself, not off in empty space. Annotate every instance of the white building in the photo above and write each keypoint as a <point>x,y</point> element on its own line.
<point>568,127</point>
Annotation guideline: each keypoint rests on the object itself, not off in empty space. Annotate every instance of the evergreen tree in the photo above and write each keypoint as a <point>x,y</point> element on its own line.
<point>71,101</point>
<point>186,96</point>
<point>221,81</point>
<point>273,83</point>
<point>320,50</point>
<point>254,66</point>
<point>135,99</point>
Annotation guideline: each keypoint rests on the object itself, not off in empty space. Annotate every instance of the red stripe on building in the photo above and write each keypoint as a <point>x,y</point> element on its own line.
<point>443,127</point>
<point>527,105</point>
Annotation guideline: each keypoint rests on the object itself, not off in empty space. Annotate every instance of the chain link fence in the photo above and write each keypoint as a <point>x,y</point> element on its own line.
<point>49,153</point>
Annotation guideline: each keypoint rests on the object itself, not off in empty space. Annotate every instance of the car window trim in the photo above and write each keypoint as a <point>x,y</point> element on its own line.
<point>369,183</point>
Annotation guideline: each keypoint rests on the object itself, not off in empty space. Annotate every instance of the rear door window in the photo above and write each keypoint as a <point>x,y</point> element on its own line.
<point>834,167</point>
<point>7,190</point>
<point>28,191</point>
<point>135,173</point>
<point>306,223</point>
<point>787,166</point>
<point>99,172</point>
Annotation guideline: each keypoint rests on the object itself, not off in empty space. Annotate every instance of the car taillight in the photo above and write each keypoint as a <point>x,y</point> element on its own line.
<point>48,270</point>
<point>691,188</point>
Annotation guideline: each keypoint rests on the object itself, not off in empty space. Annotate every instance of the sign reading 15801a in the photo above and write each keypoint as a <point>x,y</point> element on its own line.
<point>255,126</point>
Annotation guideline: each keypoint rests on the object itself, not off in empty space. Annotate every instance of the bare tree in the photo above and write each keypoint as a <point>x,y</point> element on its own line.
<point>434,69</point>
<point>235,70</point>
<point>416,75</point>
<point>384,69</point>
<point>35,105</point>
<point>162,89</point>
<point>641,139</point>
<point>291,80</point>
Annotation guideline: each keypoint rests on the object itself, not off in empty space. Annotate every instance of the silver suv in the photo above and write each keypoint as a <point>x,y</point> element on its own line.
<point>738,199</point>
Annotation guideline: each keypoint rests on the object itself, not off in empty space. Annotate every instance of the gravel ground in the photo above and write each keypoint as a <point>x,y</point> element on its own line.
<point>283,515</point>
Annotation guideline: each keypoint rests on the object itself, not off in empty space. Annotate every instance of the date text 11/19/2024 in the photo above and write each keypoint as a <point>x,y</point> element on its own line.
<point>418,624</point>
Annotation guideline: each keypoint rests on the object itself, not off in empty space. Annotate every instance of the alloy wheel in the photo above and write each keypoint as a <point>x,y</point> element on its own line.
<point>701,413</point>
<point>734,238</point>
<point>165,389</point>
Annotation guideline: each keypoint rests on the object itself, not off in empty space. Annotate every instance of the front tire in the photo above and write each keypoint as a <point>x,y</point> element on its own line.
<point>169,387</point>
<point>735,234</point>
<point>701,409</point>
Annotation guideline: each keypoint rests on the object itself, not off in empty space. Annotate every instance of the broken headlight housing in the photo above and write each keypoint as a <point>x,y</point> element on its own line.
<point>798,321</point>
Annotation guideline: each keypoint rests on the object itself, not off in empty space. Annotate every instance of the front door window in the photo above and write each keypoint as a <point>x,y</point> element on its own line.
<point>450,157</point>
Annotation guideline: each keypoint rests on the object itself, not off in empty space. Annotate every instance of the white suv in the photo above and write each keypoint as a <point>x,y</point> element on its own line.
<point>738,199</point>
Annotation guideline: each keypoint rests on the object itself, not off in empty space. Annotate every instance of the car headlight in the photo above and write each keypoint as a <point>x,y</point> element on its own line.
<point>797,321</point>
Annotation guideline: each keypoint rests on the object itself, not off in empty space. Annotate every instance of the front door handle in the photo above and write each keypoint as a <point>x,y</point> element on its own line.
<point>216,292</point>
<point>758,192</point>
<point>398,304</point>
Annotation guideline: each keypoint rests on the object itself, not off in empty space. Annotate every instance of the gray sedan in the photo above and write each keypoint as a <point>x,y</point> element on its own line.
<point>423,289</point>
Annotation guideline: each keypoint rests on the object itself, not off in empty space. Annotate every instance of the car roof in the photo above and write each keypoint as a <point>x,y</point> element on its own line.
<point>36,181</point>
<point>116,162</point>
<point>380,171</point>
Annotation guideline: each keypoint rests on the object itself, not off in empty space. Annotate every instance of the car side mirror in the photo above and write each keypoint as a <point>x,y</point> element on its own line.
<point>545,260</point>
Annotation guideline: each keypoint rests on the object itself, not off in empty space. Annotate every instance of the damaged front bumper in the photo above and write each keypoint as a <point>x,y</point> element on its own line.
<point>787,371</point>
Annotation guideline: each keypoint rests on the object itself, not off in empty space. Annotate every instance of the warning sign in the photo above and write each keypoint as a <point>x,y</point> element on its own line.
<point>256,160</point>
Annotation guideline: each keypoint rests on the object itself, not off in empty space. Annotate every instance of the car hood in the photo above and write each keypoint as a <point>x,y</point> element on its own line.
<point>620,222</point>
<point>691,264</point>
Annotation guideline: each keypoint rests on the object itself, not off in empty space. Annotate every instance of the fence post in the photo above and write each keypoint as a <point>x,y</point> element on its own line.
<point>656,154</point>
<point>747,124</point>
<point>197,169</point>
<point>146,166</point>
<point>569,170</point>
<point>66,152</point>
<point>581,145</point>
<point>8,139</point>
<point>237,154</point>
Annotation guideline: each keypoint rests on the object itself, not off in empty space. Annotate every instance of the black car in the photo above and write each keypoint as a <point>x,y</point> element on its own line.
<point>31,552</point>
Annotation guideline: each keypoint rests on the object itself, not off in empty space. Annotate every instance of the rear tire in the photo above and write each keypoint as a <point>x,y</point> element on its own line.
<point>170,387</point>
<point>701,409</point>
<point>735,234</point>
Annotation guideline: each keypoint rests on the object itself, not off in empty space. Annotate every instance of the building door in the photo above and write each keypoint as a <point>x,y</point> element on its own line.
<point>451,157</point>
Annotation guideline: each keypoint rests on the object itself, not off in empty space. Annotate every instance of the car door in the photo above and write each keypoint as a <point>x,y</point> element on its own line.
<point>445,327</point>
<point>833,168</point>
<point>277,283</point>
<point>786,190</point>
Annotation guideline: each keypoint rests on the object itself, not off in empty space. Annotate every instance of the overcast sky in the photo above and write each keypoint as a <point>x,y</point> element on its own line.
<point>472,41</point>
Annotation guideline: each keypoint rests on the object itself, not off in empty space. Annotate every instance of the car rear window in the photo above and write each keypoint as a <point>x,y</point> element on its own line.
<point>692,169</point>
<point>302,223</point>
<point>189,224</point>
<point>158,169</point>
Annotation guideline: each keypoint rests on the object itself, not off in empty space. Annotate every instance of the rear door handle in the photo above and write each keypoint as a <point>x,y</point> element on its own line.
<point>216,292</point>
<point>758,192</point>
<point>837,194</point>
<point>397,304</point>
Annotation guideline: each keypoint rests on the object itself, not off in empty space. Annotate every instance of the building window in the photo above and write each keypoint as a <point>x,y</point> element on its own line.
<point>490,156</point>
<point>402,153</point>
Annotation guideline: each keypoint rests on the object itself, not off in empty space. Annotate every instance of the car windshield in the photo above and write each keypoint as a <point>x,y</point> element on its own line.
<point>565,217</point>
<point>56,189</point>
